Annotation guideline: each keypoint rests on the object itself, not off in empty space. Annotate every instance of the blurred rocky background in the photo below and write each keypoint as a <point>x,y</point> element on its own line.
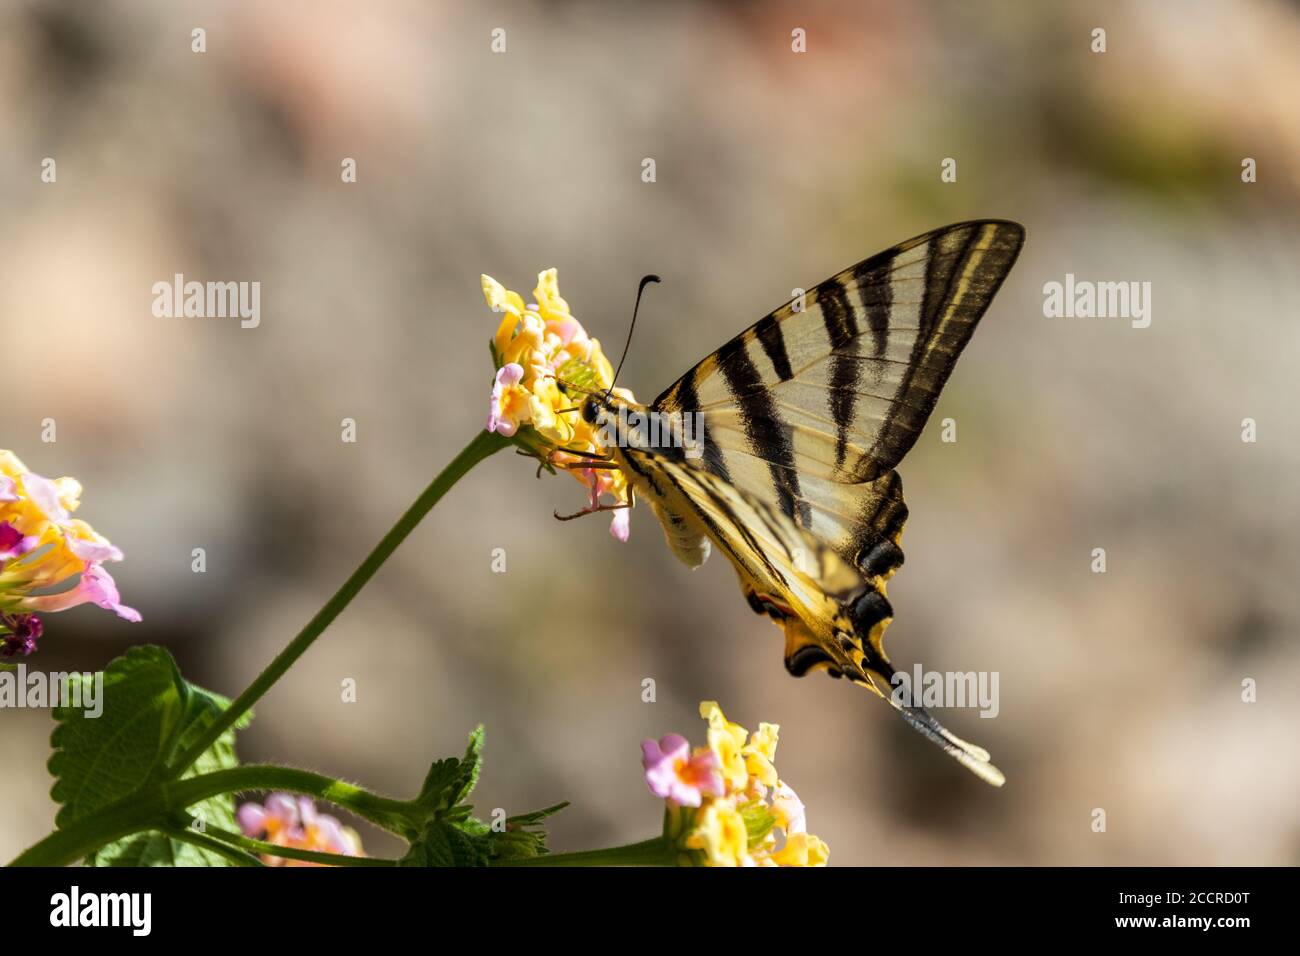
<point>1119,691</point>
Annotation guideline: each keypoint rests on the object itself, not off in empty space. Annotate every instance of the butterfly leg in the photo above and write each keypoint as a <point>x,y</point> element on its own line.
<point>591,511</point>
<point>583,465</point>
<point>585,454</point>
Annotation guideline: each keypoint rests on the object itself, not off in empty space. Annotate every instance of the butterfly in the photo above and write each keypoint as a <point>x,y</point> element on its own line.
<point>779,449</point>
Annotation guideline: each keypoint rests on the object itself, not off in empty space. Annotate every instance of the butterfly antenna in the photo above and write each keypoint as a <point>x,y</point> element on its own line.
<point>645,280</point>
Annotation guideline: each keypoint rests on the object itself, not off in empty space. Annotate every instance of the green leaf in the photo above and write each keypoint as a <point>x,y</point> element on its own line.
<point>149,714</point>
<point>450,781</point>
<point>537,816</point>
<point>524,835</point>
<point>446,844</point>
<point>452,835</point>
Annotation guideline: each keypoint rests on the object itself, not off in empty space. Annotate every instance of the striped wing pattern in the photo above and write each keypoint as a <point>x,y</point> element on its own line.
<point>811,408</point>
<point>832,617</point>
<point>772,555</point>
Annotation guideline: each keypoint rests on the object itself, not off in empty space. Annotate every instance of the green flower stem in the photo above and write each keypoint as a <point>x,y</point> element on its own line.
<point>483,445</point>
<point>233,855</point>
<point>154,806</point>
<point>67,845</point>
<point>653,852</point>
<point>392,815</point>
<point>286,853</point>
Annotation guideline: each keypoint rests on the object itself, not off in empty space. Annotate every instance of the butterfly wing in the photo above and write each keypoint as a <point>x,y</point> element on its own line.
<point>813,406</point>
<point>833,617</point>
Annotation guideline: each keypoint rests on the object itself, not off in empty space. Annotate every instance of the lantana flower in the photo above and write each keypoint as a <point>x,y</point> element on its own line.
<point>543,356</point>
<point>677,774</point>
<point>42,548</point>
<point>295,822</point>
<point>725,803</point>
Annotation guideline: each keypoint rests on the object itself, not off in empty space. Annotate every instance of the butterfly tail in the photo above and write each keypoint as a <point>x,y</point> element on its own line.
<point>973,758</point>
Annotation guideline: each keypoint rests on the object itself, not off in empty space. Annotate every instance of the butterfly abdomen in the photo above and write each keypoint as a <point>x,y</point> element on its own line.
<point>686,539</point>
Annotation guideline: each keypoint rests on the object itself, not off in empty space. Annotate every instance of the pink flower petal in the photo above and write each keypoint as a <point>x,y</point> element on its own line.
<point>329,833</point>
<point>507,376</point>
<point>566,329</point>
<point>510,374</point>
<point>95,587</point>
<point>620,526</point>
<point>93,551</point>
<point>660,762</point>
<point>42,493</point>
<point>307,812</point>
<point>283,807</point>
<point>675,774</point>
<point>252,820</point>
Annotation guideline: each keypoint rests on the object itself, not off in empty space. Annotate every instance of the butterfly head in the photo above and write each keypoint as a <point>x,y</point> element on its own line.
<point>595,410</point>
<point>608,415</point>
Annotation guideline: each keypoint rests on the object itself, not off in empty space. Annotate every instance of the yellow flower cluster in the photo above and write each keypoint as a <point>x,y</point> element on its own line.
<point>540,350</point>
<point>758,820</point>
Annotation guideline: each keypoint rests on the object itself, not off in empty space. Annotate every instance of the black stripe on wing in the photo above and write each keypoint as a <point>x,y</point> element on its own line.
<point>712,453</point>
<point>841,329</point>
<point>765,429</point>
<point>770,336</point>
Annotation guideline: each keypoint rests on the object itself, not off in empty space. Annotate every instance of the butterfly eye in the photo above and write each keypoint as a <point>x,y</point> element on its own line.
<point>590,411</point>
